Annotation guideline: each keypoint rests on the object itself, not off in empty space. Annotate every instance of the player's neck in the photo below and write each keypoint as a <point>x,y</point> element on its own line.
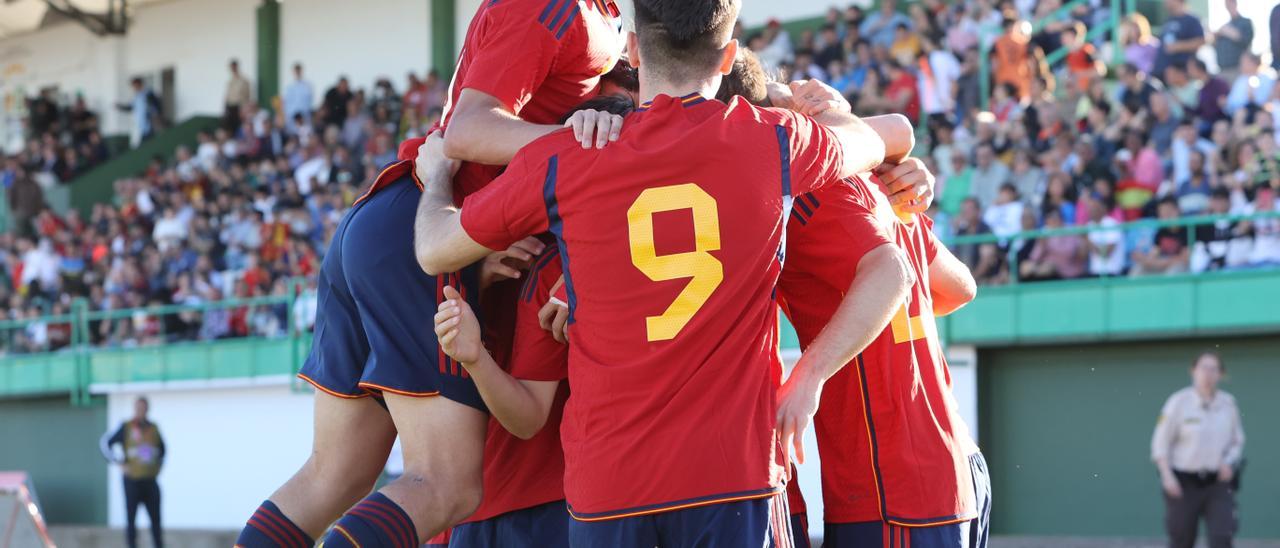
<point>653,87</point>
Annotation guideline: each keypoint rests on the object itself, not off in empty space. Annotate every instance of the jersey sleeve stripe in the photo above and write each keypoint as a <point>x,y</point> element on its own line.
<point>564,7</point>
<point>784,157</point>
<point>556,226</point>
<point>547,10</point>
<point>812,199</point>
<point>567,22</point>
<point>804,207</point>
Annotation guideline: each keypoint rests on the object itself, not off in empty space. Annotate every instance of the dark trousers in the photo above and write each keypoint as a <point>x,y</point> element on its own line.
<point>1202,496</point>
<point>147,493</point>
<point>231,119</point>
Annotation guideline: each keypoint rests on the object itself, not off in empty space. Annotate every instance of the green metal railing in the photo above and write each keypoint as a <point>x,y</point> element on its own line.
<point>1052,58</point>
<point>81,344</point>
<point>1150,225</point>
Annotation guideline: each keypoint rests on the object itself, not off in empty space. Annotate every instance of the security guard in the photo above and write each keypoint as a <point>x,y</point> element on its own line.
<point>143,457</point>
<point>1197,446</point>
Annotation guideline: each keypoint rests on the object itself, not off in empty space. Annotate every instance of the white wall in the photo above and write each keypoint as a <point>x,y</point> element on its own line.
<point>362,40</point>
<point>197,38</point>
<point>227,449</point>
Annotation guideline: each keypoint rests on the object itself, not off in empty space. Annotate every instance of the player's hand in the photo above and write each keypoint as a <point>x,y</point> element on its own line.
<point>432,159</point>
<point>813,97</point>
<point>554,316</point>
<point>509,263</point>
<point>457,329</point>
<point>595,127</point>
<point>779,95</point>
<point>1171,487</point>
<point>1226,473</point>
<point>910,184</point>
<point>797,403</point>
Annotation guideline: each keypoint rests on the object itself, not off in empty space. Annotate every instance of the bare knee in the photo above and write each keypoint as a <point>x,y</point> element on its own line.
<point>342,484</point>
<point>454,496</point>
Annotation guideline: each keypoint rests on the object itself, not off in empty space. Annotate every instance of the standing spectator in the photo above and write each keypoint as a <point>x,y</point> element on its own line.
<point>335,103</point>
<point>939,70</point>
<point>145,107</point>
<point>1233,39</point>
<point>143,456</point>
<point>1054,257</point>
<point>1266,232</point>
<point>238,95</point>
<point>880,27</point>
<point>26,200</point>
<point>1106,246</point>
<point>1198,446</point>
<point>1274,23</point>
<point>1182,36</point>
<point>1011,57</point>
<point>299,99</point>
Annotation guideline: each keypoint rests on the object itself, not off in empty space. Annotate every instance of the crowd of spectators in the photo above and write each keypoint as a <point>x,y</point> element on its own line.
<point>245,212</point>
<point>1185,123</point>
<point>1174,128</point>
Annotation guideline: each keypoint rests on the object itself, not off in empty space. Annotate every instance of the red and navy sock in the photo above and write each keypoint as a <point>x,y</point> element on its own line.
<point>374,521</point>
<point>269,528</point>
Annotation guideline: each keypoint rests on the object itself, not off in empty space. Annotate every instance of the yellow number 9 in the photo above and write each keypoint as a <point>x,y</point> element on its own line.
<point>705,270</point>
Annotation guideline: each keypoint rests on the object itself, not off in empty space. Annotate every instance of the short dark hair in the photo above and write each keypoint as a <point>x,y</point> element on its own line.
<point>683,39</point>
<point>747,79</point>
<point>613,104</point>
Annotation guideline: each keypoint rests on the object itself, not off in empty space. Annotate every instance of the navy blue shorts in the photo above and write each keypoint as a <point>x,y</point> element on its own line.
<point>758,522</point>
<point>800,530</point>
<point>967,534</point>
<point>374,329</point>
<point>545,525</point>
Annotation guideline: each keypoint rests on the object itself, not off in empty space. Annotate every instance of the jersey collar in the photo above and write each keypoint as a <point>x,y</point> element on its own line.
<point>688,100</point>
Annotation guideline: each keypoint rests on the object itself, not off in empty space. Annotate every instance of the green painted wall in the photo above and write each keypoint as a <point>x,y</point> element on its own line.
<point>68,472</point>
<point>443,37</point>
<point>1120,309</point>
<point>1067,433</point>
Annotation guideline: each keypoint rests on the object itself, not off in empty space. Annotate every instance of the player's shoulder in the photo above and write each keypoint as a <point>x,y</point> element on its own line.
<point>740,110</point>
<point>556,16</point>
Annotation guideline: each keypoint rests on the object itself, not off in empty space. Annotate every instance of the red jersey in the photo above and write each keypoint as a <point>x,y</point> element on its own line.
<point>672,234</point>
<point>518,473</point>
<point>540,58</point>
<point>892,442</point>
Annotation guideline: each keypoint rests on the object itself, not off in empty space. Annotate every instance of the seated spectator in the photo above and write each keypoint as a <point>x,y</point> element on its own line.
<point>1193,192</point>
<point>902,91</point>
<point>1061,257</point>
<point>1252,88</point>
<point>984,259</point>
<point>989,175</point>
<point>1169,253</point>
<point>1223,243</point>
<point>1004,217</point>
<point>1211,97</point>
<point>1106,246</point>
<point>1266,232</point>
<point>1140,47</point>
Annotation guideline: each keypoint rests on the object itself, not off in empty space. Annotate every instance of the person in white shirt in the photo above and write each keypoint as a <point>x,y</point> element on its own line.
<point>1106,247</point>
<point>1253,86</point>
<point>299,98</point>
<point>937,86</point>
<point>1004,216</point>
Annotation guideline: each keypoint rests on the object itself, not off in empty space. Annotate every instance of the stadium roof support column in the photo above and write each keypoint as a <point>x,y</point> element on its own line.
<point>443,36</point>
<point>268,53</point>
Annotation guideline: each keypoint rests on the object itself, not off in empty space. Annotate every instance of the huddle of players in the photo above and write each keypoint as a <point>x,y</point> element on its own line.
<point>679,429</point>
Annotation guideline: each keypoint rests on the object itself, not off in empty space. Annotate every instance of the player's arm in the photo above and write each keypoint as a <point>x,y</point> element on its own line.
<point>950,283</point>
<point>109,440</point>
<point>440,243</point>
<point>879,288</point>
<point>521,406</point>
<point>483,129</point>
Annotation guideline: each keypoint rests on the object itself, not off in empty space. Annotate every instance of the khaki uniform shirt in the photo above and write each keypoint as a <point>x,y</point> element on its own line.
<point>1195,435</point>
<point>238,91</point>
